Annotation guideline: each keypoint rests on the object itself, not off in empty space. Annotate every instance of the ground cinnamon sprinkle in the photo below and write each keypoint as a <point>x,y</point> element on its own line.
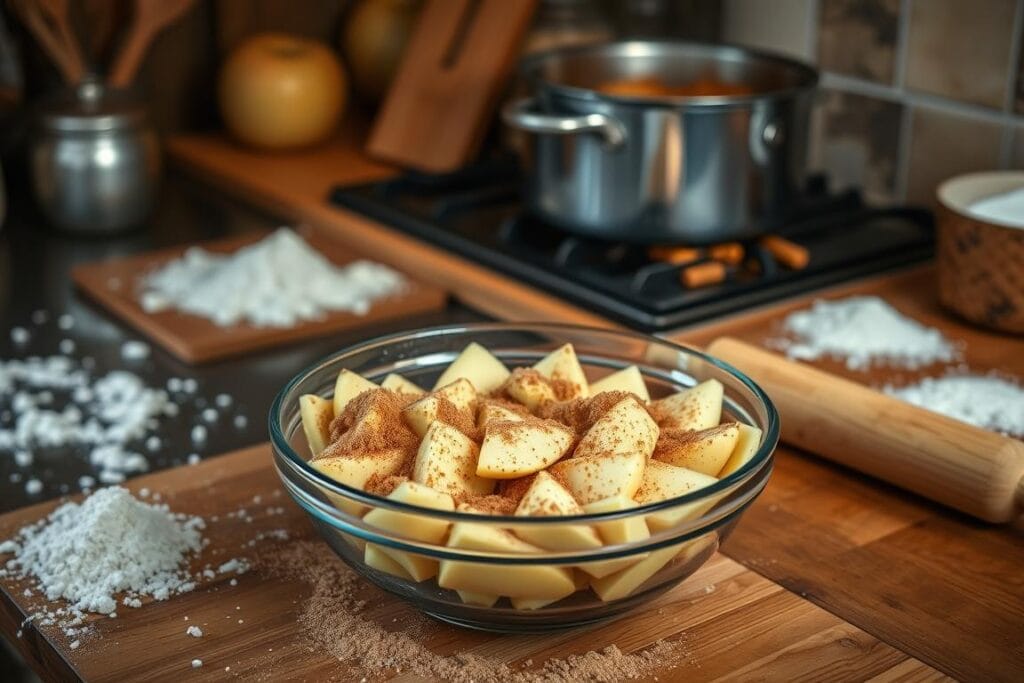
<point>353,434</point>
<point>672,439</point>
<point>515,489</point>
<point>493,504</point>
<point>380,485</point>
<point>335,621</point>
<point>462,420</point>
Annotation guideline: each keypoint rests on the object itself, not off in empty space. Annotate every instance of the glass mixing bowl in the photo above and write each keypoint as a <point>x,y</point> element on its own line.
<point>685,531</point>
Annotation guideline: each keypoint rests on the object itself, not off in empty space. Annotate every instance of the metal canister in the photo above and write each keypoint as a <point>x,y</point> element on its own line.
<point>95,161</point>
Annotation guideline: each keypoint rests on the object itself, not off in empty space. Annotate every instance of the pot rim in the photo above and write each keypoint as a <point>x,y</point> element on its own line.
<point>529,70</point>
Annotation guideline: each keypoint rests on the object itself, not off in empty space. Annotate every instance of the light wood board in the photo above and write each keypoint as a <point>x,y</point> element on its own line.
<point>730,621</point>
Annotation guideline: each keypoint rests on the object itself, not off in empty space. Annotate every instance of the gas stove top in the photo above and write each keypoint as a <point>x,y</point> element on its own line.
<point>477,214</point>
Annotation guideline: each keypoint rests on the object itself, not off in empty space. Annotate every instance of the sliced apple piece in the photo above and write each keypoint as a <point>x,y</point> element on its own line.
<point>413,526</point>
<point>626,428</point>
<point>375,557</point>
<point>317,414</point>
<point>422,413</point>
<point>347,387</point>
<point>396,382</point>
<point>514,448</point>
<point>529,604</point>
<point>355,470</point>
<point>590,479</point>
<point>530,388</point>
<point>705,451</point>
<point>489,412</point>
<point>627,379</point>
<point>446,461</point>
<point>623,583</point>
<point>562,365</point>
<point>662,482</point>
<point>616,532</point>
<point>535,582</point>
<point>747,443</point>
<point>478,599</point>
<point>697,408</point>
<point>479,366</point>
<point>547,498</point>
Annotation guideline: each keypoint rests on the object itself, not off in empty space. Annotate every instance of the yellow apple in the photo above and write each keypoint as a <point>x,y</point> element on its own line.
<point>662,482</point>
<point>279,91</point>
<point>355,470</point>
<point>529,388</point>
<point>413,526</point>
<point>493,411</point>
<point>547,498</point>
<point>401,385</point>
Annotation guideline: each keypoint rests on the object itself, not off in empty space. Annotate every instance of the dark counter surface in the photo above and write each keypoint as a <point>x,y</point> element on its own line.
<point>35,265</point>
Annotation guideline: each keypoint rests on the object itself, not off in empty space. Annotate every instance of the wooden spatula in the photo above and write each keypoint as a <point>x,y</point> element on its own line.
<point>442,99</point>
<point>151,17</point>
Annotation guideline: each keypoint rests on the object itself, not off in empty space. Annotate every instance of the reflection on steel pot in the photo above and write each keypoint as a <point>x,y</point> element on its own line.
<point>95,162</point>
<point>649,167</point>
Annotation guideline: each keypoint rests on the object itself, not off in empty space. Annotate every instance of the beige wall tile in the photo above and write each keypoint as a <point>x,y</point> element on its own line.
<point>944,145</point>
<point>779,25</point>
<point>855,141</point>
<point>858,38</point>
<point>961,49</point>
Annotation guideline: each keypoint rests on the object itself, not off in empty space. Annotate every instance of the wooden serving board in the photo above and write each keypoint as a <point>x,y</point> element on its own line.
<point>113,284</point>
<point>730,620</point>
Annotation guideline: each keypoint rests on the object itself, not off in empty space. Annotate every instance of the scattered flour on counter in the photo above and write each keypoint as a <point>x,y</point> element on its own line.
<point>110,543</point>
<point>103,416</point>
<point>863,331</point>
<point>985,401</point>
<point>276,282</point>
<point>197,663</point>
<point>194,631</point>
<point>134,350</point>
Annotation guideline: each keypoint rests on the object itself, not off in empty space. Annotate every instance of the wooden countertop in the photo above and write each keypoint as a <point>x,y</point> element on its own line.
<point>912,591</point>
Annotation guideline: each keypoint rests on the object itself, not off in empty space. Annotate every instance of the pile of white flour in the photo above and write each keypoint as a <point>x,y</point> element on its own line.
<point>984,401</point>
<point>111,543</point>
<point>863,331</point>
<point>277,282</point>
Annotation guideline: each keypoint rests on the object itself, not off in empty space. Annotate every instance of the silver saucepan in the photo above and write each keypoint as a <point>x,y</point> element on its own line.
<point>664,168</point>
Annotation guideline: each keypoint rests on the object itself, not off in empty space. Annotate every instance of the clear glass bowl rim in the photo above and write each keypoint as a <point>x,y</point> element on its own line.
<point>760,459</point>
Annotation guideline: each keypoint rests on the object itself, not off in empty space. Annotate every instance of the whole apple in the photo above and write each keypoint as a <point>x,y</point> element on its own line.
<point>280,92</point>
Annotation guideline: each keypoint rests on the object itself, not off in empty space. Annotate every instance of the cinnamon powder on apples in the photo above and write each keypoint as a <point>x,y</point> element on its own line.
<point>335,621</point>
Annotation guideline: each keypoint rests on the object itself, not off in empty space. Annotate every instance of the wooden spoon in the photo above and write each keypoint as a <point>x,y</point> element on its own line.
<point>58,16</point>
<point>151,17</point>
<point>68,63</point>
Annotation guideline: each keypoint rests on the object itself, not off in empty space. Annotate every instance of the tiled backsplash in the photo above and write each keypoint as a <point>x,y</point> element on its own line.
<point>913,91</point>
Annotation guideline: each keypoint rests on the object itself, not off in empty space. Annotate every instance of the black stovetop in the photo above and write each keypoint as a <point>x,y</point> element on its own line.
<point>477,214</point>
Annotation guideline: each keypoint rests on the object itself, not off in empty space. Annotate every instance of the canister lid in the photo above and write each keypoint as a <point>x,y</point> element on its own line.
<point>91,108</point>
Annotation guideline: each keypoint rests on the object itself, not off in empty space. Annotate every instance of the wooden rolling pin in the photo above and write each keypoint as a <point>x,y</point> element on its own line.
<point>967,468</point>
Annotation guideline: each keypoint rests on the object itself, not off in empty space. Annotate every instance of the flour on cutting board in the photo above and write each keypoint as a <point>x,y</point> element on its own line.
<point>863,331</point>
<point>276,282</point>
<point>985,401</point>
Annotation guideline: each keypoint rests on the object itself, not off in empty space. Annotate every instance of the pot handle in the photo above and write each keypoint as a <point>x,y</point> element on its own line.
<point>522,114</point>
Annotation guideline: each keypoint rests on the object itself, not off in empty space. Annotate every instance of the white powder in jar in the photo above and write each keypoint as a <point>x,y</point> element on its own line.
<point>985,401</point>
<point>110,543</point>
<point>863,331</point>
<point>1005,208</point>
<point>276,282</point>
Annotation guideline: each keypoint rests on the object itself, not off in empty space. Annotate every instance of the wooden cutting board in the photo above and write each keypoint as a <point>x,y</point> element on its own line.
<point>194,339</point>
<point>729,620</point>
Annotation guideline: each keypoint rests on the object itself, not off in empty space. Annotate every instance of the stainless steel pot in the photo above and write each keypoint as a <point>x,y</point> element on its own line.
<point>693,170</point>
<point>95,161</point>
